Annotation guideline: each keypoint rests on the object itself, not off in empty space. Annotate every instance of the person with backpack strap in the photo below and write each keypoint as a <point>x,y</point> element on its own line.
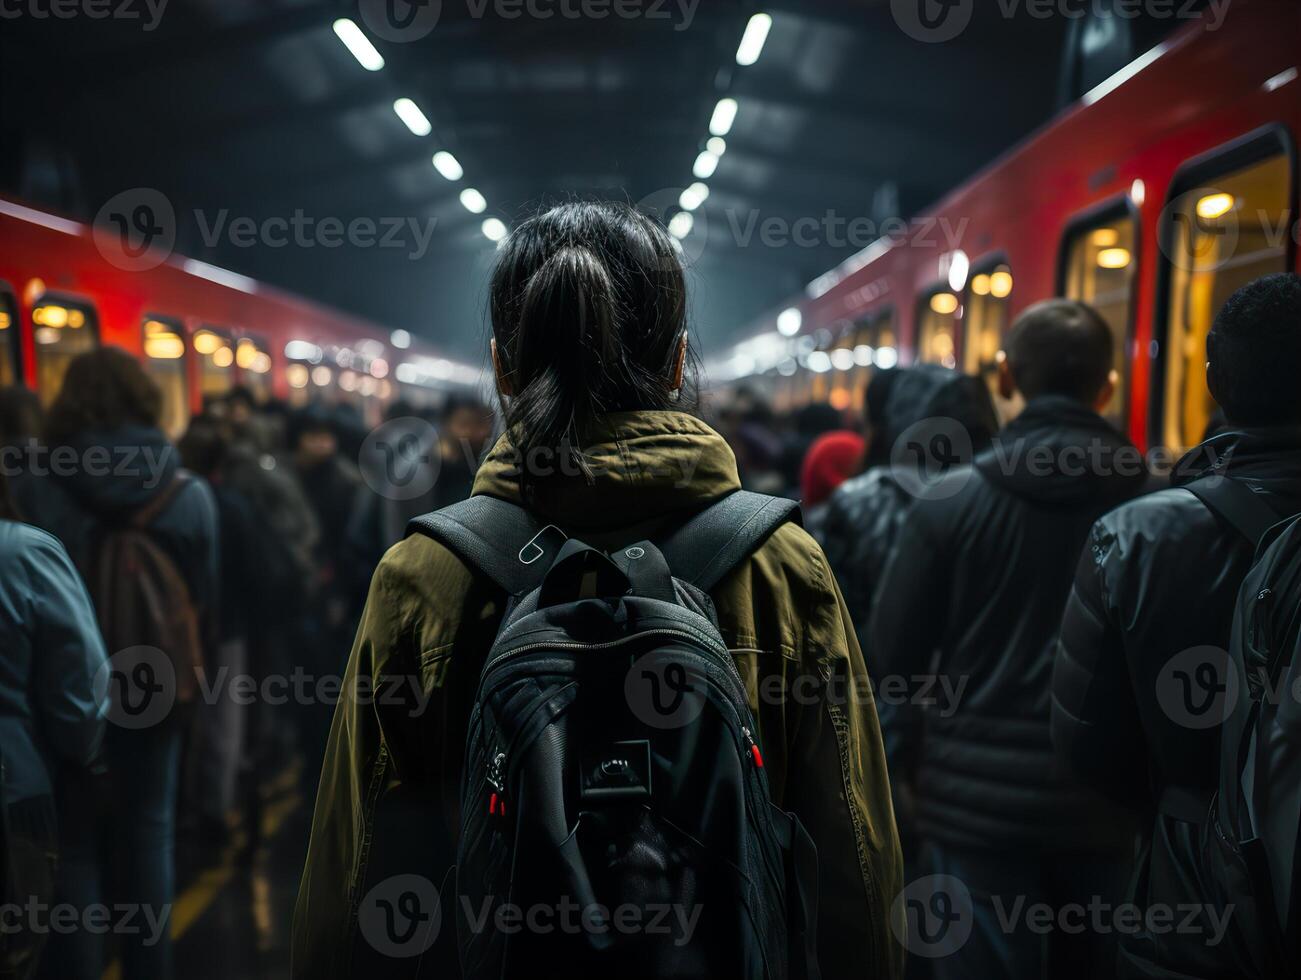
<point>608,681</point>
<point>1143,684</point>
<point>143,534</point>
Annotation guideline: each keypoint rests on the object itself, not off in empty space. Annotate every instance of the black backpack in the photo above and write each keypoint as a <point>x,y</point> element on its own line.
<point>1250,842</point>
<point>615,813</point>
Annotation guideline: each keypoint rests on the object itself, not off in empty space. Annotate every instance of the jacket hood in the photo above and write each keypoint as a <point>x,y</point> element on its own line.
<point>927,391</point>
<point>1267,457</point>
<point>1058,451</point>
<point>645,465</point>
<point>117,471</point>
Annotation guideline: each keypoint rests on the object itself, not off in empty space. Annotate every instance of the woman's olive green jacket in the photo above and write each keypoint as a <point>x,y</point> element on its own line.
<point>390,787</point>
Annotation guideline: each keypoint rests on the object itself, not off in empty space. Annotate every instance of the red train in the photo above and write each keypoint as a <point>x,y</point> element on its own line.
<point>1154,197</point>
<point>65,288</point>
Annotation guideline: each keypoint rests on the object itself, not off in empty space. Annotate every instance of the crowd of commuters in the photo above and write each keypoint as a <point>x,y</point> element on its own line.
<point>1028,582</point>
<point>259,543</point>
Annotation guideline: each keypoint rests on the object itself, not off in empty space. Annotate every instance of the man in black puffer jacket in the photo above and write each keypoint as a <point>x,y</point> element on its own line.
<point>973,593</point>
<point>1150,617</point>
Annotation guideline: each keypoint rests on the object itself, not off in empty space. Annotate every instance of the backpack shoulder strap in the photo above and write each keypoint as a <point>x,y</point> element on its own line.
<point>1235,502</point>
<point>159,502</point>
<point>724,534</point>
<point>502,540</point>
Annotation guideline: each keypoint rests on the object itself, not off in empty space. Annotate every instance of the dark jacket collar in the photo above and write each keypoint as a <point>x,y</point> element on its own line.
<point>1060,451</point>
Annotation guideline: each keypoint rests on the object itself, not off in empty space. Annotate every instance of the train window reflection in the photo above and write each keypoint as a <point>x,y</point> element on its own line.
<point>1100,270</point>
<point>164,345</point>
<point>986,320</point>
<point>62,329</point>
<point>937,329</point>
<point>10,356</point>
<point>1224,234</point>
<point>216,356</point>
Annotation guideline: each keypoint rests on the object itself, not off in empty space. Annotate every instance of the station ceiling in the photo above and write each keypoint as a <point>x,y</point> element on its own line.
<point>283,158</point>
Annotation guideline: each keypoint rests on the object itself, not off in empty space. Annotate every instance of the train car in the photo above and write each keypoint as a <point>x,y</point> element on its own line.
<point>1154,196</point>
<point>66,287</point>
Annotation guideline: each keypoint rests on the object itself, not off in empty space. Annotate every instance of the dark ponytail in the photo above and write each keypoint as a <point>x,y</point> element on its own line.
<point>588,310</point>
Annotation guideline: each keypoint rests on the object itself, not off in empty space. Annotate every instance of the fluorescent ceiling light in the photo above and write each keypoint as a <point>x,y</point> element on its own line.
<point>494,229</point>
<point>720,124</point>
<point>681,223</point>
<point>359,44</point>
<point>473,201</point>
<point>693,196</point>
<point>410,114</point>
<point>705,165</point>
<point>448,165</point>
<point>756,32</point>
<point>716,145</point>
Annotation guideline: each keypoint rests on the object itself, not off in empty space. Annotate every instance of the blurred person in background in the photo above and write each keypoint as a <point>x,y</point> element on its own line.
<point>861,523</point>
<point>219,742</point>
<point>22,420</point>
<point>972,594</point>
<point>126,476</point>
<point>830,461</point>
<point>466,430</point>
<point>331,482</point>
<point>52,708</point>
<point>807,423</point>
<point>1158,584</point>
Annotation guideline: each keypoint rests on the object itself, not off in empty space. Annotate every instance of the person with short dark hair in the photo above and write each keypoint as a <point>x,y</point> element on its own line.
<point>1154,595</point>
<point>973,593</point>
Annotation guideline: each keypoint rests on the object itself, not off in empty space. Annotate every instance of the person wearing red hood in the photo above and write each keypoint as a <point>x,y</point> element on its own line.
<point>831,460</point>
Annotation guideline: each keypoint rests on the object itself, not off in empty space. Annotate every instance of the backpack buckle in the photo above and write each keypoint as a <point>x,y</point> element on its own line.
<point>538,551</point>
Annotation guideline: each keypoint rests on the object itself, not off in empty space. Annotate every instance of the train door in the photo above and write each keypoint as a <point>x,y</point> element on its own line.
<point>1098,266</point>
<point>163,340</point>
<point>1228,222</point>
<point>62,327</point>
<point>11,348</point>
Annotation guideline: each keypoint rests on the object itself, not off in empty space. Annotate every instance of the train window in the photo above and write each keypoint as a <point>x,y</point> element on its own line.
<point>254,363</point>
<point>1100,267</point>
<point>62,329</point>
<point>986,320</point>
<point>1223,234</point>
<point>216,357</point>
<point>10,349</point>
<point>937,328</point>
<point>164,345</point>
